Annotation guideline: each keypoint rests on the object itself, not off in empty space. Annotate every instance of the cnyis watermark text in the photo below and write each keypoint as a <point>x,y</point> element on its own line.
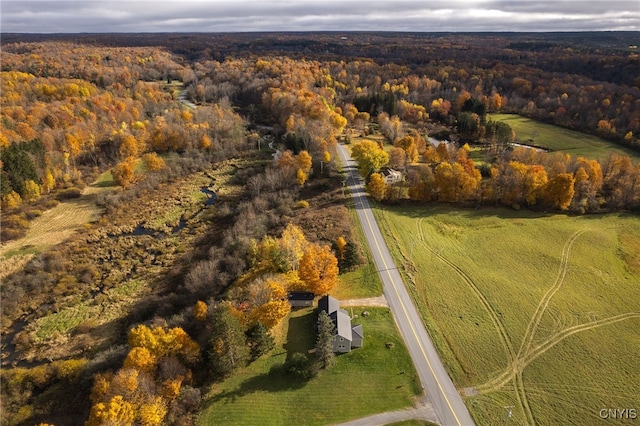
<point>618,413</point>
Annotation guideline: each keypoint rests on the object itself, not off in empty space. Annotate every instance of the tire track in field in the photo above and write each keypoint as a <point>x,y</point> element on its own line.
<point>524,360</point>
<point>563,268</point>
<point>521,394</point>
<point>504,337</point>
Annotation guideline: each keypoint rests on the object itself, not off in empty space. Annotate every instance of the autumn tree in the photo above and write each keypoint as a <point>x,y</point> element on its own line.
<point>116,411</point>
<point>48,181</point>
<point>153,161</point>
<point>408,144</point>
<point>369,155</point>
<point>535,180</point>
<point>123,173</point>
<point>11,200</point>
<point>559,191</point>
<point>128,146</point>
<point>397,158</point>
<point>153,412</point>
<point>140,358</point>
<point>421,183</point>
<point>341,245</point>
<point>200,310</point>
<point>274,308</point>
<point>319,269</point>
<point>31,191</point>
<point>293,243</point>
<point>442,153</point>
<point>377,187</point>
<point>161,343</point>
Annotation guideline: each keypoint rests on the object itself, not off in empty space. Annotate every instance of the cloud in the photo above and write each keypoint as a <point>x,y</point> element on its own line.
<point>314,15</point>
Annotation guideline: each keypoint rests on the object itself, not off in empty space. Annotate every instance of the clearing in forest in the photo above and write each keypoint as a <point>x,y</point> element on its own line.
<point>53,227</point>
<point>556,138</point>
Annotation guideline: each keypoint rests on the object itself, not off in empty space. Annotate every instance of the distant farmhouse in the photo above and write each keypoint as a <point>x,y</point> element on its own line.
<point>390,176</point>
<point>346,336</point>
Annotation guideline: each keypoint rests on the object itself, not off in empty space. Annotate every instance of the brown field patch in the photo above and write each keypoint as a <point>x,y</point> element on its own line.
<point>53,227</point>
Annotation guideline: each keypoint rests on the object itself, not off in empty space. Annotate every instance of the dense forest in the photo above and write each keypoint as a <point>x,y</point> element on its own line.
<point>257,116</point>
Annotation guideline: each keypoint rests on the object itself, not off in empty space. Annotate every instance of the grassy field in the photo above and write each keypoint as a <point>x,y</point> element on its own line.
<point>51,228</point>
<point>364,281</point>
<point>54,226</point>
<point>365,381</point>
<point>557,138</point>
<point>537,312</point>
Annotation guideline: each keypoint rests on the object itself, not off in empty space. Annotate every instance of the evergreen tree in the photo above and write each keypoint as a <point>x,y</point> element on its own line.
<point>229,348</point>
<point>325,357</point>
<point>260,340</point>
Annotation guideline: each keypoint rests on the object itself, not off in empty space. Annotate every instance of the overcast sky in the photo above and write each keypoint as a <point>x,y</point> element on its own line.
<point>72,16</point>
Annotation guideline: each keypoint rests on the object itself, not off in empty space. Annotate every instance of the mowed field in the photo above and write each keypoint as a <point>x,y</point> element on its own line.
<point>538,312</point>
<point>53,227</point>
<point>556,138</point>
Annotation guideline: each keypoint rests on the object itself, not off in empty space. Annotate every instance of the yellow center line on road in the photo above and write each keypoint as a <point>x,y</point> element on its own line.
<point>413,330</point>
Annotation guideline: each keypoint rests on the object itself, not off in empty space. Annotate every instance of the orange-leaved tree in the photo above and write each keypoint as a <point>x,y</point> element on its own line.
<point>319,269</point>
<point>123,173</point>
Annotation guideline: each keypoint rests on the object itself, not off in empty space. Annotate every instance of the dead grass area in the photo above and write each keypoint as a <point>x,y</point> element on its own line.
<point>326,218</point>
<point>53,227</point>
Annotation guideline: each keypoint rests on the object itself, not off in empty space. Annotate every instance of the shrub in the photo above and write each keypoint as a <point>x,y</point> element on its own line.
<point>49,204</point>
<point>302,204</point>
<point>299,366</point>
<point>69,193</point>
<point>32,214</point>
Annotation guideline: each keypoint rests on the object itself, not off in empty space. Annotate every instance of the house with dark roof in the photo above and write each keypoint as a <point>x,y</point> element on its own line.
<point>346,336</point>
<point>301,299</point>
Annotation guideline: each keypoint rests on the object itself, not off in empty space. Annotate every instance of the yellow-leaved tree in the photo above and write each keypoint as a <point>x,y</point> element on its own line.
<point>319,269</point>
<point>200,310</point>
<point>153,161</point>
<point>140,358</point>
<point>276,308</point>
<point>377,187</point>
<point>293,243</point>
<point>369,155</point>
<point>31,191</point>
<point>117,411</point>
<point>341,244</point>
<point>153,412</point>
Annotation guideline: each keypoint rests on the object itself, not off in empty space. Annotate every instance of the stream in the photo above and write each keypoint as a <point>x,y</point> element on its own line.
<point>9,352</point>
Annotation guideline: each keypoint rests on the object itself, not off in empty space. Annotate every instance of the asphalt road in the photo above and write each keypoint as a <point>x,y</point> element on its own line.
<point>447,402</point>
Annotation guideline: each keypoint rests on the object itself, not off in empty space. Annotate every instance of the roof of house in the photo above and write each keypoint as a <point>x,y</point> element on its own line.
<point>358,331</point>
<point>342,322</point>
<point>301,295</point>
<point>328,304</point>
<point>388,171</point>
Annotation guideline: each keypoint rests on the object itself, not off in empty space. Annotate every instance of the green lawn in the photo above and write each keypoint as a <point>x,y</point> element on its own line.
<point>539,312</point>
<point>364,281</point>
<point>365,381</point>
<point>558,138</point>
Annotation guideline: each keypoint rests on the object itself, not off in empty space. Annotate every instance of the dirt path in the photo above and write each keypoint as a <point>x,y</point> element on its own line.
<point>379,301</point>
<point>423,411</point>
